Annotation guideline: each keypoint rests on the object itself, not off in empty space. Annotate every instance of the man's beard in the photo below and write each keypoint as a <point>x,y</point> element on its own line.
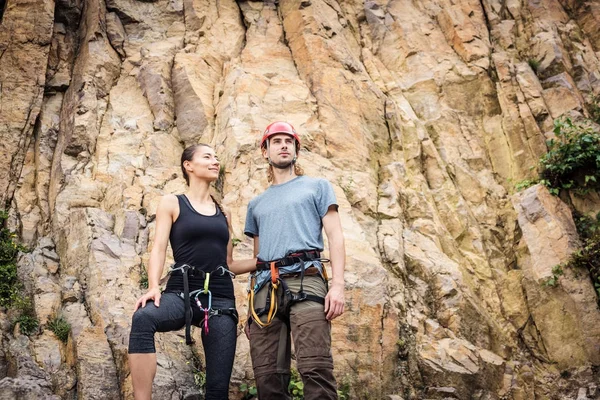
<point>283,165</point>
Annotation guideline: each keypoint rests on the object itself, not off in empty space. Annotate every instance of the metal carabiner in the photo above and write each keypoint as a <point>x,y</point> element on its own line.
<point>206,310</point>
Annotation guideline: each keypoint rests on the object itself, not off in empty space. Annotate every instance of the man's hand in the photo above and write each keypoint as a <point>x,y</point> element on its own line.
<point>334,301</point>
<point>152,294</point>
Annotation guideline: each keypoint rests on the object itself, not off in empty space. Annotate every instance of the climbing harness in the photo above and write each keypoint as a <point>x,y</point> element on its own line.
<point>208,311</point>
<point>281,307</point>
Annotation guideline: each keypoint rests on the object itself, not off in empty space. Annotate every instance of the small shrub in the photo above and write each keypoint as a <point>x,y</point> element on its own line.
<point>534,64</point>
<point>9,250</point>
<point>594,109</point>
<point>235,241</point>
<point>249,391</point>
<point>8,284</point>
<point>199,374</point>
<point>588,257</point>
<point>28,324</point>
<point>200,378</point>
<point>296,386</point>
<point>552,281</point>
<point>144,279</point>
<point>60,327</point>
<point>343,391</point>
<point>573,159</point>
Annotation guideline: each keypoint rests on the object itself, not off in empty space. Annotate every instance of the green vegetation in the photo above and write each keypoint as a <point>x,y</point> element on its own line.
<point>343,391</point>
<point>235,241</point>
<point>552,281</point>
<point>588,256</point>
<point>522,185</point>
<point>249,391</point>
<point>534,64</point>
<point>296,386</point>
<point>197,370</point>
<point>60,327</point>
<point>9,283</point>
<point>28,324</point>
<point>573,158</point>
<point>144,279</point>
<point>573,164</point>
<point>594,109</point>
<point>10,288</point>
<point>200,378</point>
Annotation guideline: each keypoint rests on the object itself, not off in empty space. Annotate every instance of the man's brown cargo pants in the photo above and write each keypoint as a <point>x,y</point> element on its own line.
<point>270,347</point>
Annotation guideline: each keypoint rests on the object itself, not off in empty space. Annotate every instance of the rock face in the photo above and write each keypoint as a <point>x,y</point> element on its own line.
<point>422,114</point>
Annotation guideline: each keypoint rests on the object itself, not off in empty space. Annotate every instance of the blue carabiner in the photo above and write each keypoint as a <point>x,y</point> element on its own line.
<point>199,303</point>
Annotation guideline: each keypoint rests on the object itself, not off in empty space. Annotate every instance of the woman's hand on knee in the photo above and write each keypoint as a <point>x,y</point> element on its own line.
<point>152,294</point>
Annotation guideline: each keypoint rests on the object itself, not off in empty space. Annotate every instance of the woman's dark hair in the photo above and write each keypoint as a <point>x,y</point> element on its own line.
<point>188,155</point>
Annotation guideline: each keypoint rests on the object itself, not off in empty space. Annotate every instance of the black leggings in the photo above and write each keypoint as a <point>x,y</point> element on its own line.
<point>219,344</point>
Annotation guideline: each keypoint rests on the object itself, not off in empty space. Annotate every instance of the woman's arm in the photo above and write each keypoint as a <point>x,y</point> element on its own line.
<point>237,266</point>
<point>165,212</point>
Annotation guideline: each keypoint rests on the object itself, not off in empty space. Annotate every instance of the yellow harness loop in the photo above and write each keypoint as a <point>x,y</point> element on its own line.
<point>206,282</point>
<point>272,306</point>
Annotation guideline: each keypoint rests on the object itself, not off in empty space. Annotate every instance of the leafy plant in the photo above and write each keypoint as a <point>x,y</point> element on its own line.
<point>343,391</point>
<point>8,267</point>
<point>28,324</point>
<point>557,272</point>
<point>524,184</point>
<point>144,279</point>
<point>60,327</point>
<point>588,256</point>
<point>235,241</point>
<point>594,109</point>
<point>249,391</point>
<point>199,374</point>
<point>573,159</point>
<point>200,378</point>
<point>296,386</point>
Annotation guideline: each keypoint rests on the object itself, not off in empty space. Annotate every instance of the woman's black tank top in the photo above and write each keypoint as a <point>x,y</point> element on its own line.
<point>200,241</point>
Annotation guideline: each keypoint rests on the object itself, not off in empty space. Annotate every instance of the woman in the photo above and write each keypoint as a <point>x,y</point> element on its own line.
<point>199,234</point>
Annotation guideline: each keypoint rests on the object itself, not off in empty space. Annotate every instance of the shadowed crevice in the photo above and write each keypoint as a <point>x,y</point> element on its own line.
<point>3,4</point>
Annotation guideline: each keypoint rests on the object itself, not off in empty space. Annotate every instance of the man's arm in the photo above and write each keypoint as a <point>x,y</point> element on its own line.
<point>334,301</point>
<point>255,246</point>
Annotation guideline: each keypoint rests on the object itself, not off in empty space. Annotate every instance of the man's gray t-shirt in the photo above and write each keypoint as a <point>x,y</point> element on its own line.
<point>287,218</point>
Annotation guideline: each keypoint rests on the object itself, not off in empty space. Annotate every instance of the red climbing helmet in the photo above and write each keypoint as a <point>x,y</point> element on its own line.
<point>280,127</point>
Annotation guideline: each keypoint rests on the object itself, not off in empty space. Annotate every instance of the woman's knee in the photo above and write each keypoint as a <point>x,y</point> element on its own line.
<point>142,320</point>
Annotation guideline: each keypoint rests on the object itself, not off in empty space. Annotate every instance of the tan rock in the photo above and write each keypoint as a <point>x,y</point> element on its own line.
<point>550,236</point>
<point>97,375</point>
<point>25,34</point>
<point>464,27</point>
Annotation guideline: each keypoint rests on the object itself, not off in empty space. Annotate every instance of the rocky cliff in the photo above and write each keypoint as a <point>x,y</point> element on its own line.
<point>423,114</point>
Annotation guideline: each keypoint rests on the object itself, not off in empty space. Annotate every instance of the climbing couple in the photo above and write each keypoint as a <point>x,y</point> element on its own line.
<point>289,290</point>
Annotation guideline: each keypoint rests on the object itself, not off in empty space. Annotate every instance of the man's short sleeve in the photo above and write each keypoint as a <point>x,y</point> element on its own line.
<point>326,198</point>
<point>251,228</point>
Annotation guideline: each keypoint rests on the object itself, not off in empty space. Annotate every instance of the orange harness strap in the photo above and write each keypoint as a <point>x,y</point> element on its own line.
<point>274,273</point>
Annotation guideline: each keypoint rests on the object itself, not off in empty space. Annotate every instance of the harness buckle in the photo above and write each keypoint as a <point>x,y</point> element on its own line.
<point>296,297</point>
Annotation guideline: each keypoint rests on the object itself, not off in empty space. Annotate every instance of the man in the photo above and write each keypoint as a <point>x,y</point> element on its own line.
<point>289,291</point>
